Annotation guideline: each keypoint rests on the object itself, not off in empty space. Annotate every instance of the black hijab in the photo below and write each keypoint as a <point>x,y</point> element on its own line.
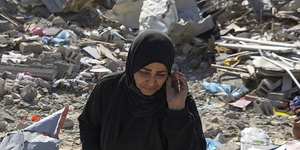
<point>149,46</point>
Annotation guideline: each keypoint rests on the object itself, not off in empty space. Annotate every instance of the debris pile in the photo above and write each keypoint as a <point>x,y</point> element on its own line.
<point>241,59</point>
<point>257,74</point>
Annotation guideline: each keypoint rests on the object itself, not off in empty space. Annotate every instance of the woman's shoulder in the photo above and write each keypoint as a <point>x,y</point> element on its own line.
<point>109,80</point>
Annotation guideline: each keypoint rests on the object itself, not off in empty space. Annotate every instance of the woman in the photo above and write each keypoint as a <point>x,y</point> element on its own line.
<point>140,109</point>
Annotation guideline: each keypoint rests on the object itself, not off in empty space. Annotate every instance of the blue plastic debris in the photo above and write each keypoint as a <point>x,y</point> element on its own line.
<point>225,89</point>
<point>213,144</point>
<point>64,38</point>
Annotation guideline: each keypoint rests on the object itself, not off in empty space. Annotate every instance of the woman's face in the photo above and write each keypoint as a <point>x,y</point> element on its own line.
<point>151,78</point>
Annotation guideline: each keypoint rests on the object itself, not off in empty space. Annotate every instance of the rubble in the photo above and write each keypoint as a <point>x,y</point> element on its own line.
<point>54,52</point>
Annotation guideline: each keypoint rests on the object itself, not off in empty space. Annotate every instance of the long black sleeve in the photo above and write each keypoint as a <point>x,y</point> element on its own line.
<point>90,121</point>
<point>183,128</point>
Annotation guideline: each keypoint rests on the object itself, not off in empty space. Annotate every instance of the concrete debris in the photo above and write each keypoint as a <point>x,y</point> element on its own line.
<point>158,15</point>
<point>34,47</point>
<point>166,16</point>
<point>57,6</point>
<point>44,72</point>
<point>15,58</point>
<point>93,51</point>
<point>28,93</point>
<point>54,52</point>
<point>69,124</point>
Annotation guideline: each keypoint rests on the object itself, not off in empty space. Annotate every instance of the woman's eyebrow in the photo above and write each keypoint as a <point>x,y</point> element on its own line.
<point>161,71</point>
<point>146,69</point>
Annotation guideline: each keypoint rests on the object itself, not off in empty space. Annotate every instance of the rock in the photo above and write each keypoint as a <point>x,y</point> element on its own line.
<point>158,14</point>
<point>212,133</point>
<point>3,126</point>
<point>215,120</point>
<point>2,87</point>
<point>28,93</point>
<point>4,116</point>
<point>59,21</point>
<point>42,83</point>
<point>34,47</point>
<point>22,125</point>
<point>8,100</point>
<point>4,26</point>
<point>232,115</point>
<point>123,55</point>
<point>69,124</point>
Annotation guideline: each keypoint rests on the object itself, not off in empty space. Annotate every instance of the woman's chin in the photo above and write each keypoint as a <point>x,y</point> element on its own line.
<point>148,93</point>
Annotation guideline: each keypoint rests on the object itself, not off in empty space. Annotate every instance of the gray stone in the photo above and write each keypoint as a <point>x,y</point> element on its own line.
<point>232,115</point>
<point>2,87</point>
<point>215,120</point>
<point>8,100</point>
<point>34,47</point>
<point>59,21</point>
<point>3,126</point>
<point>28,93</point>
<point>4,116</point>
<point>42,83</point>
<point>123,55</point>
<point>5,26</point>
<point>69,124</point>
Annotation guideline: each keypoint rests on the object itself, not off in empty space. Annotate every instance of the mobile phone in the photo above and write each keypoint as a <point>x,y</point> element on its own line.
<point>175,83</point>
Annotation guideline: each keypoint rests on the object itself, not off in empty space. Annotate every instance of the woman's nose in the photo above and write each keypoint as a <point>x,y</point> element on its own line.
<point>151,81</point>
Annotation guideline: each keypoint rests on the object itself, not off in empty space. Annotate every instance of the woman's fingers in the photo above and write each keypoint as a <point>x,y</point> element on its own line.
<point>183,82</point>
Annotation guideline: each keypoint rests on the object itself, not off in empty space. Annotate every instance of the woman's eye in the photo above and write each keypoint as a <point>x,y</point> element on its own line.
<point>144,73</point>
<point>162,75</point>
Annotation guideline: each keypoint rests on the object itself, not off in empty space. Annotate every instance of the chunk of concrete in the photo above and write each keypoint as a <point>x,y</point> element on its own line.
<point>71,54</point>
<point>28,93</point>
<point>4,116</point>
<point>158,14</point>
<point>127,12</point>
<point>93,51</point>
<point>44,72</point>
<point>34,47</point>
<point>68,124</point>
<point>2,87</point>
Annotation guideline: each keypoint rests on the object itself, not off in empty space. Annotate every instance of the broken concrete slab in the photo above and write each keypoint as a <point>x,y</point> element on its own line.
<point>100,69</point>
<point>71,54</point>
<point>14,58</point>
<point>58,22</point>
<point>3,126</point>
<point>64,69</point>
<point>44,72</point>
<point>106,52</point>
<point>33,47</point>
<point>6,116</point>
<point>68,124</point>
<point>5,26</point>
<point>184,31</point>
<point>56,6</point>
<point>2,87</point>
<point>50,57</point>
<point>93,51</point>
<point>158,15</point>
<point>266,86</point>
<point>28,93</point>
<point>127,12</point>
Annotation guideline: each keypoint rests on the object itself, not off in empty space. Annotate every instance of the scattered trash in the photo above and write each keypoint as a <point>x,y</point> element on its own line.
<point>254,138</point>
<point>224,89</point>
<point>213,144</point>
<point>54,52</point>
